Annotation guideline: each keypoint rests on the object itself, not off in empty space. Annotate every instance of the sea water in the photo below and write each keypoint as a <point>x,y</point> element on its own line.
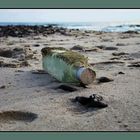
<point>95,26</point>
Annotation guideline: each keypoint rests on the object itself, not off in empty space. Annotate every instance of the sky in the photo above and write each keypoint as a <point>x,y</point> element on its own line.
<point>70,15</point>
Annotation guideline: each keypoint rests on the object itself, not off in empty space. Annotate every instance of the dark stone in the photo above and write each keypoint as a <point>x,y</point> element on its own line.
<point>121,72</point>
<point>110,48</point>
<point>104,79</point>
<point>2,87</point>
<point>36,45</point>
<point>67,88</point>
<point>134,64</point>
<point>131,32</point>
<point>101,47</point>
<point>91,101</point>
<point>106,48</point>
<point>18,49</point>
<point>119,54</point>
<point>120,44</point>
<point>18,116</point>
<point>6,53</point>
<point>27,30</point>
<point>77,47</point>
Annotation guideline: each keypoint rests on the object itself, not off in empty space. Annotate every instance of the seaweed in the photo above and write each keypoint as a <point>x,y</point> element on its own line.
<point>48,50</point>
<point>73,58</point>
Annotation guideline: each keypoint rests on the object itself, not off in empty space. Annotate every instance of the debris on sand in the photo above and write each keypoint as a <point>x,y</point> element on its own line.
<point>5,52</point>
<point>108,62</point>
<point>102,47</point>
<point>36,45</point>
<point>9,63</point>
<point>26,30</point>
<point>38,72</point>
<point>94,101</point>
<point>67,88</point>
<point>110,48</point>
<point>84,49</point>
<point>115,58</point>
<point>134,64</point>
<point>104,79</point>
<point>16,57</point>
<point>91,50</point>
<point>120,53</point>
<point>121,44</point>
<point>78,47</point>
<point>19,70</point>
<point>67,66</point>
<point>131,32</point>
<point>17,116</point>
<point>2,87</point>
<point>121,72</point>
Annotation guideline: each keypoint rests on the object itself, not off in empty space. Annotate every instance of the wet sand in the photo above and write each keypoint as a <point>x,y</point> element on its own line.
<point>40,106</point>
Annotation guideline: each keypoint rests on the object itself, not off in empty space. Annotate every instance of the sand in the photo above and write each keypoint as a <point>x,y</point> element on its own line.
<point>24,90</point>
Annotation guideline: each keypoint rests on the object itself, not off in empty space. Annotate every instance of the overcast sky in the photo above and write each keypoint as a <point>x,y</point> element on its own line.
<point>69,15</point>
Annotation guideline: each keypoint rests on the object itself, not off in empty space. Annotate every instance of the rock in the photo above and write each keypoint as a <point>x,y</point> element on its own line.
<point>35,52</point>
<point>36,45</point>
<point>107,62</point>
<point>21,57</point>
<point>15,57</point>
<point>27,46</point>
<point>6,53</point>
<point>125,125</point>
<point>131,32</point>
<point>135,54</point>
<point>106,48</point>
<point>77,47</point>
<point>26,30</point>
<point>119,121</point>
<point>36,58</point>
<point>12,115</point>
<point>104,80</point>
<point>85,49</point>
<point>121,72</point>
<point>93,101</point>
<point>119,54</point>
<point>38,72</point>
<point>2,87</point>
<point>101,47</point>
<point>29,56</point>
<point>120,44</point>
<point>115,58</point>
<point>19,71</point>
<point>24,63</point>
<point>17,49</point>
<point>106,40</point>
<point>134,64</point>
<point>67,88</point>
<point>36,38</point>
<point>110,48</point>
<point>90,50</point>
<point>10,43</point>
<point>11,65</point>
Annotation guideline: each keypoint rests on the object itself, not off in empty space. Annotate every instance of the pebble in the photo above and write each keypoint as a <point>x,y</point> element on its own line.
<point>104,79</point>
<point>2,87</point>
<point>121,72</point>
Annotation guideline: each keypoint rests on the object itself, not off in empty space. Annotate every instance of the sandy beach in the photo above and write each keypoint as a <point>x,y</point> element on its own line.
<point>31,94</point>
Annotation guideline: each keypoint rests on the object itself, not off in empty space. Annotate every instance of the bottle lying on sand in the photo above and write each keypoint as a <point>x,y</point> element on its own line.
<point>67,66</point>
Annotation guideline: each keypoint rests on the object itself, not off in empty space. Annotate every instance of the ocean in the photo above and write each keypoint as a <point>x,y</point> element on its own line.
<point>95,26</point>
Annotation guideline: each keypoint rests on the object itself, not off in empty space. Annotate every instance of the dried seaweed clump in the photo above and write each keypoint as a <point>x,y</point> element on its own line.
<point>71,57</point>
<point>48,50</point>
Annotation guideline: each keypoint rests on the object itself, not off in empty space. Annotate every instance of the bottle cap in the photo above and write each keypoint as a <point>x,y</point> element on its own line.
<point>86,75</point>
